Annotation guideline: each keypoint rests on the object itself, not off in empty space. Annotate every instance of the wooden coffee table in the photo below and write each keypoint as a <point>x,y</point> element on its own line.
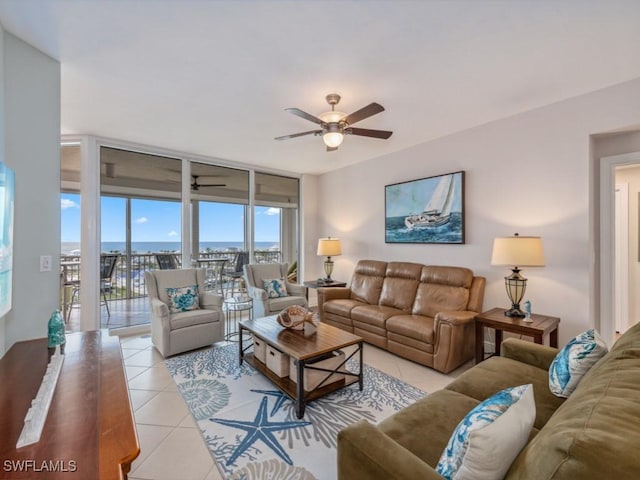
<point>302,348</point>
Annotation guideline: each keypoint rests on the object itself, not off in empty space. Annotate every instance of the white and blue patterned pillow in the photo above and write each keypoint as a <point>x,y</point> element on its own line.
<point>573,361</point>
<point>183,299</point>
<point>490,437</point>
<point>275,288</point>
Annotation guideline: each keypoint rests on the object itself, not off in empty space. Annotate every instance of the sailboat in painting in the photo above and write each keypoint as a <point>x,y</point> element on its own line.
<point>437,212</point>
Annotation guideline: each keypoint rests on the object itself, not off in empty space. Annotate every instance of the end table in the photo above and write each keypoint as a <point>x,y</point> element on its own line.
<point>234,307</point>
<point>495,318</point>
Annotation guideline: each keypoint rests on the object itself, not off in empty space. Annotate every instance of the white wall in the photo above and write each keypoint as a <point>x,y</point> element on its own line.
<point>529,173</point>
<point>31,147</point>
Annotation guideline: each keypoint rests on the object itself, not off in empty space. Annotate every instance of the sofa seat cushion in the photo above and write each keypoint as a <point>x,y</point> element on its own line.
<point>596,432</point>
<point>341,306</point>
<point>416,327</point>
<point>375,315</point>
<point>193,317</point>
<point>435,416</point>
<point>498,373</point>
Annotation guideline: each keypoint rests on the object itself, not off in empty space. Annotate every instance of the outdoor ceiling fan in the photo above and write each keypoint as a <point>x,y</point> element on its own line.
<point>335,125</point>
<point>195,186</point>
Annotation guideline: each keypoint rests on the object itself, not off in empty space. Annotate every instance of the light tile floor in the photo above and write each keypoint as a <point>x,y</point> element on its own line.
<point>171,446</point>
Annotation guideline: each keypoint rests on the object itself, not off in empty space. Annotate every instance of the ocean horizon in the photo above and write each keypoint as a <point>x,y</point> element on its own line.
<point>73,248</point>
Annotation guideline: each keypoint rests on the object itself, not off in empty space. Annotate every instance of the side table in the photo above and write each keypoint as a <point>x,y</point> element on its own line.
<point>318,284</point>
<point>495,318</point>
<point>234,307</point>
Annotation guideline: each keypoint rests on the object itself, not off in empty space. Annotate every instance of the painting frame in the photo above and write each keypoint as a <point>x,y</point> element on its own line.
<point>7,196</point>
<point>427,210</point>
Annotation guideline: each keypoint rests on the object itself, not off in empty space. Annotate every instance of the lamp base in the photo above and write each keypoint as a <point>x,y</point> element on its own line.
<point>515,311</point>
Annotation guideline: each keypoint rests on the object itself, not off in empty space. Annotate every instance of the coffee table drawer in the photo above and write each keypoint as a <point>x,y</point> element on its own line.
<point>312,378</point>
<point>259,349</point>
<point>277,361</point>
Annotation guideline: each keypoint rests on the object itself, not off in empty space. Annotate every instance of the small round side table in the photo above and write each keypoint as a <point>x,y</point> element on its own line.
<point>234,307</point>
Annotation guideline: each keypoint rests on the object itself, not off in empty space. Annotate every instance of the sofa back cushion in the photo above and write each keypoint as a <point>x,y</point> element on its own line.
<point>366,283</point>
<point>159,280</point>
<point>442,289</point>
<point>400,284</point>
<point>259,272</point>
<point>595,433</point>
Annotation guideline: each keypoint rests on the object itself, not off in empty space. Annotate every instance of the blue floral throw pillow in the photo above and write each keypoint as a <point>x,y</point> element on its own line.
<point>183,299</point>
<point>489,438</point>
<point>573,361</point>
<point>275,288</point>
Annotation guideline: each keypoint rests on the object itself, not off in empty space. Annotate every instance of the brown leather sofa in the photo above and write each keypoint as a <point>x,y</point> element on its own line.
<point>420,312</point>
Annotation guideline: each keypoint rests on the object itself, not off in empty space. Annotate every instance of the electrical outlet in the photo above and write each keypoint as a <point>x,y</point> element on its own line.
<point>45,263</point>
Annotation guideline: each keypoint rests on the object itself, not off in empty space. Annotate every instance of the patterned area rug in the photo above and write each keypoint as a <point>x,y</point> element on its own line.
<point>251,427</point>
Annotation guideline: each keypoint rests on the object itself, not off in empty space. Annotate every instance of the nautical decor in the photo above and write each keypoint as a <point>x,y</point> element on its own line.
<point>429,210</point>
<point>298,318</point>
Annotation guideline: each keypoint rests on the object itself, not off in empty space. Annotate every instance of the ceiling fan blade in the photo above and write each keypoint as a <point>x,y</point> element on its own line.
<point>331,149</point>
<point>294,135</point>
<point>212,184</point>
<point>363,113</point>
<point>366,132</point>
<point>305,115</point>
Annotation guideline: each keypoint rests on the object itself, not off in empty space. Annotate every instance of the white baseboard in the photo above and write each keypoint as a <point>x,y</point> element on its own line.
<point>128,331</point>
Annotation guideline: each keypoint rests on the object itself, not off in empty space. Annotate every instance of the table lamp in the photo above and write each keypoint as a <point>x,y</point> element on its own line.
<point>517,252</point>
<point>329,247</point>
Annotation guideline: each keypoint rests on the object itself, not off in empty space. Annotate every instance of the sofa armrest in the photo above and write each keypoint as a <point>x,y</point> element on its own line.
<point>455,318</point>
<point>454,332</point>
<point>257,293</point>
<point>160,311</point>
<point>530,353</point>
<point>296,289</point>
<point>209,299</point>
<point>331,293</point>
<point>364,452</point>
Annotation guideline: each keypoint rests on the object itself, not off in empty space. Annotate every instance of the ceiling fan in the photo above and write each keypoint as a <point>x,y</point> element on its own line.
<point>195,186</point>
<point>335,125</point>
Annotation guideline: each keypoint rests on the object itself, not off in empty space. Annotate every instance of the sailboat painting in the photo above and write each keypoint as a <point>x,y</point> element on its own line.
<point>428,210</point>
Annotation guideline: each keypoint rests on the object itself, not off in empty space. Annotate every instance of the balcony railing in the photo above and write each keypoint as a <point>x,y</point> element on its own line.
<point>128,281</point>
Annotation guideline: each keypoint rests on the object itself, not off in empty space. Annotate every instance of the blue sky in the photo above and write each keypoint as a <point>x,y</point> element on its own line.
<point>159,221</point>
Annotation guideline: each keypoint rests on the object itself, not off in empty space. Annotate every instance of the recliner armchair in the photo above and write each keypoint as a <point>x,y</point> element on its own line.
<point>255,274</point>
<point>173,333</point>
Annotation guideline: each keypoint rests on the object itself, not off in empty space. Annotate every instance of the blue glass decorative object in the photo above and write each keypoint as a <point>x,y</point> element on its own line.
<point>56,333</point>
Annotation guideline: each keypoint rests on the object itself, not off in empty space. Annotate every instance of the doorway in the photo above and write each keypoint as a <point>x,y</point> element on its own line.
<point>612,317</point>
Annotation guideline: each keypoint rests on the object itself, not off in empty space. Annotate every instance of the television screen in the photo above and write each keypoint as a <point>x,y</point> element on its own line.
<point>6,236</point>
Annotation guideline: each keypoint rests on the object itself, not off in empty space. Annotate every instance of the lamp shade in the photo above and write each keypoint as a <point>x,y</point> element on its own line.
<point>329,247</point>
<point>518,251</point>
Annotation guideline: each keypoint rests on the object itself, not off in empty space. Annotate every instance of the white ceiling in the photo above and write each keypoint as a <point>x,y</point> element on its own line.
<point>213,77</point>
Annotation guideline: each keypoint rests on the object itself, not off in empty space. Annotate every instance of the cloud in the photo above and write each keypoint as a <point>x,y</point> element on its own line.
<point>272,211</point>
<point>142,220</point>
<point>66,203</point>
<point>173,233</point>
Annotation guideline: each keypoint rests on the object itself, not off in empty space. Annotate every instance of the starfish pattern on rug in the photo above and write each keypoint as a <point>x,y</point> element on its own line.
<point>260,429</point>
<point>280,399</point>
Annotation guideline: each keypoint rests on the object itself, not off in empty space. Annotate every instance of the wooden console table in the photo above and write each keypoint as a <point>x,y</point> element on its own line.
<point>89,430</point>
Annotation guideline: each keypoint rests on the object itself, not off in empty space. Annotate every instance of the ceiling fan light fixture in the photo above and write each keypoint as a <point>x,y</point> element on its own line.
<point>333,135</point>
<point>332,117</point>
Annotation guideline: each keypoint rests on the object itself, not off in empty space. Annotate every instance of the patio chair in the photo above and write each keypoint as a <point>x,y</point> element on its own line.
<point>176,326</point>
<point>254,277</point>
<point>107,267</point>
<point>166,261</point>
<point>236,272</point>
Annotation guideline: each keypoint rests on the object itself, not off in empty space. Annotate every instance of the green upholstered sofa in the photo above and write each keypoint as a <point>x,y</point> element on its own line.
<point>594,434</point>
